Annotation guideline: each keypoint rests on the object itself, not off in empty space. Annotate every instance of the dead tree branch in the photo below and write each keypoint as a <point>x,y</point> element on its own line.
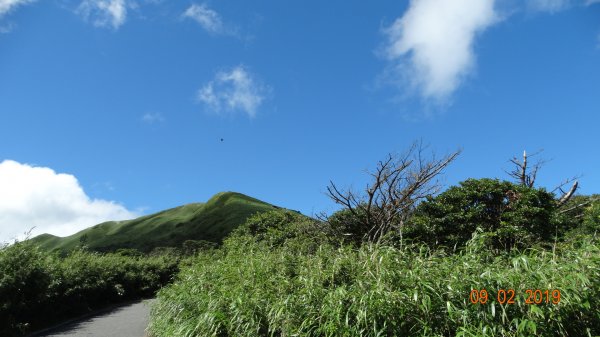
<point>578,206</point>
<point>525,174</point>
<point>398,184</point>
<point>566,196</point>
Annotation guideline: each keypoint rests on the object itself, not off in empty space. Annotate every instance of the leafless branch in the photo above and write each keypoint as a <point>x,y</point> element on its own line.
<point>563,200</point>
<point>588,202</point>
<point>398,184</point>
<point>525,173</point>
<point>560,186</point>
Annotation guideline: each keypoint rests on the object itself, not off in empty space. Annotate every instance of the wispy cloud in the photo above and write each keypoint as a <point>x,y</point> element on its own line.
<point>7,28</point>
<point>152,118</point>
<point>550,6</point>
<point>430,48</point>
<point>209,20</point>
<point>51,202</point>
<point>234,90</point>
<point>8,5</point>
<point>555,6</point>
<point>105,13</point>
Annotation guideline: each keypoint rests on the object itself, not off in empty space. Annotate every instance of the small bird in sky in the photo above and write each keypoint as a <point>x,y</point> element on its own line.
<point>221,139</point>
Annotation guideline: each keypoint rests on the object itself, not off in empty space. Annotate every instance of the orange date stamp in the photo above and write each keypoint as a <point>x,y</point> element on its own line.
<point>507,296</point>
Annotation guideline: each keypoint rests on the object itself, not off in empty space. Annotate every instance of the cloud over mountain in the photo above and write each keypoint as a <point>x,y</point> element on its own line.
<point>51,202</point>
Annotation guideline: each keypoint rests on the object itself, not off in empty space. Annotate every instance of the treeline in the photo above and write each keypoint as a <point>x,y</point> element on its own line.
<point>402,259</point>
<point>38,289</point>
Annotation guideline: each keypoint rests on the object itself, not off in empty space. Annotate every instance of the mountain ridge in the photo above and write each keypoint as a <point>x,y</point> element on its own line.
<point>209,221</point>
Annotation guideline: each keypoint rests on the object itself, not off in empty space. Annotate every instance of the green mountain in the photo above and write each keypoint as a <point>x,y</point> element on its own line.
<point>210,221</point>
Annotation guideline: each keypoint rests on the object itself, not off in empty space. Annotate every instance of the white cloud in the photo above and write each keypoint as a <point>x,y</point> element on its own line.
<point>152,118</point>
<point>105,13</point>
<point>234,90</point>
<point>209,19</point>
<point>8,5</point>
<point>431,45</point>
<point>53,202</point>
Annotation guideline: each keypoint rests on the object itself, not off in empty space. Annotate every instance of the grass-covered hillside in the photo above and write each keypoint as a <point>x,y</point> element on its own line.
<point>210,221</point>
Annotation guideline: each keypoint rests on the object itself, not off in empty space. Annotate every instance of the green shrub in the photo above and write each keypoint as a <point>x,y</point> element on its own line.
<point>37,289</point>
<point>516,216</point>
<point>591,218</point>
<point>274,228</point>
<point>192,247</point>
<point>25,276</point>
<point>347,226</point>
<point>380,291</point>
<point>128,252</point>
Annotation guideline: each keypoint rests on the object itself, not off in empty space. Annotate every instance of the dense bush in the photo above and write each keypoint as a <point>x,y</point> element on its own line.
<point>513,215</point>
<point>25,277</point>
<point>591,218</point>
<point>261,290</point>
<point>274,228</point>
<point>37,289</point>
<point>347,226</point>
<point>192,247</point>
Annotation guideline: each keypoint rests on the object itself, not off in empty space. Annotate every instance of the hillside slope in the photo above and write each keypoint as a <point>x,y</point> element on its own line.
<point>210,221</point>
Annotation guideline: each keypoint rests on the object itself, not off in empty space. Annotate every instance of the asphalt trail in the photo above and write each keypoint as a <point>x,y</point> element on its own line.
<point>127,321</point>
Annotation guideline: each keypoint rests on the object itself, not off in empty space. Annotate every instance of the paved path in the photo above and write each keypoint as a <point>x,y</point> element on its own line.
<point>127,321</point>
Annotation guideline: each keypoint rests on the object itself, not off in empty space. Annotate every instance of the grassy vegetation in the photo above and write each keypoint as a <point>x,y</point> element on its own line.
<point>266,281</point>
<point>279,273</point>
<point>210,221</point>
<point>38,289</point>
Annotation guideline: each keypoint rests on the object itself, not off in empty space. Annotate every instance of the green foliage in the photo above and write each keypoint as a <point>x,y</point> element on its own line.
<point>348,226</point>
<point>37,289</point>
<point>591,218</point>
<point>25,276</point>
<point>128,252</point>
<point>577,215</point>
<point>192,247</point>
<point>274,228</point>
<point>210,221</point>
<point>379,291</point>
<point>171,251</point>
<point>514,215</point>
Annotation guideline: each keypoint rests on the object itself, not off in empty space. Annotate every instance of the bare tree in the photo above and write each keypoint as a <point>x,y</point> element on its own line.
<point>525,174</point>
<point>398,183</point>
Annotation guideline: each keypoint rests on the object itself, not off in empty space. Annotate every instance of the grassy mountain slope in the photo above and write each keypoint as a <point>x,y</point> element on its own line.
<point>210,221</point>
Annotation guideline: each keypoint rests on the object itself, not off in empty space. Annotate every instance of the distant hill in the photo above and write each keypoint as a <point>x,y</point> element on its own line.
<point>210,221</point>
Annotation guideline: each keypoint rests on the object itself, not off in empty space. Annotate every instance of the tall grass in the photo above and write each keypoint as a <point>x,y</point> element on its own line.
<point>252,289</point>
<point>37,289</point>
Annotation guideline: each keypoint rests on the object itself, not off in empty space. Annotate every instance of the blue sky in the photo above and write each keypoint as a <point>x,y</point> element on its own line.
<point>115,108</point>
